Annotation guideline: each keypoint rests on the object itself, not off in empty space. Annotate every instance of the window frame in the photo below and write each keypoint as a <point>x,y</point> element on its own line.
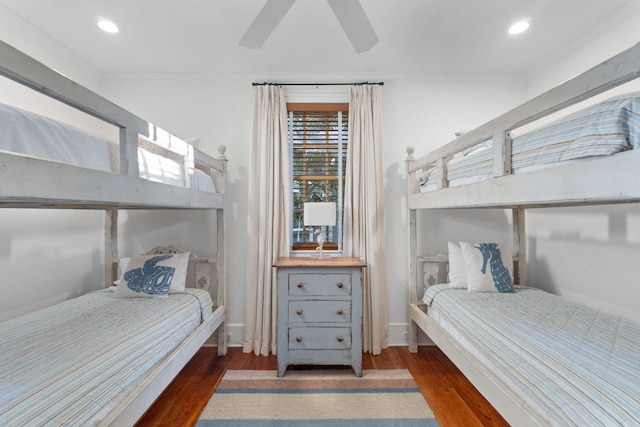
<point>342,108</point>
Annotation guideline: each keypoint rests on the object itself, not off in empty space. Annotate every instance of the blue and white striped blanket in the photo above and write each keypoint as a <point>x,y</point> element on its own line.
<point>573,365</point>
<point>606,128</point>
<point>72,363</point>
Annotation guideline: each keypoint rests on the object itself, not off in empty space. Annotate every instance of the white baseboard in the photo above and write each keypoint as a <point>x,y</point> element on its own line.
<point>235,334</point>
<point>398,335</point>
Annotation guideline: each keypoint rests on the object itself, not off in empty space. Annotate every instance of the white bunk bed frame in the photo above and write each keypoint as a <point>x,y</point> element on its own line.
<point>517,192</point>
<point>82,188</point>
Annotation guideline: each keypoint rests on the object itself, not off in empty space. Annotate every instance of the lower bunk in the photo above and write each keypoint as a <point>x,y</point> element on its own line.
<point>538,358</point>
<point>99,359</point>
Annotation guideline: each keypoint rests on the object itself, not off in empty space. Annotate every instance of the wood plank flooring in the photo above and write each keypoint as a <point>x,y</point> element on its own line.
<point>454,401</point>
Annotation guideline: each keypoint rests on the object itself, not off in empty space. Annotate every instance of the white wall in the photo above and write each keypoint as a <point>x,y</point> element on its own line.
<point>617,32</point>
<point>38,247</point>
<point>47,256</point>
<point>18,33</point>
<point>424,113</point>
<point>588,253</point>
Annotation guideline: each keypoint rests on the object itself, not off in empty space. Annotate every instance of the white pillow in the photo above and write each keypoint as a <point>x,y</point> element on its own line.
<point>457,267</point>
<point>148,276</point>
<point>488,267</point>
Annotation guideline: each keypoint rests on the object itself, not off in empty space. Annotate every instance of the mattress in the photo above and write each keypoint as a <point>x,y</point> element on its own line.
<point>573,365</point>
<point>38,136</point>
<point>157,168</point>
<point>72,363</point>
<point>607,128</point>
<point>34,135</point>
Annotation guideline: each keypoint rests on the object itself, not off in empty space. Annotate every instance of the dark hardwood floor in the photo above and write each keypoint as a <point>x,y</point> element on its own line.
<point>454,401</point>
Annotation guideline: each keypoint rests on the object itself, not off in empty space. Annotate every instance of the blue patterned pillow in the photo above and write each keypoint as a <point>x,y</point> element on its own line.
<point>488,267</point>
<point>149,276</point>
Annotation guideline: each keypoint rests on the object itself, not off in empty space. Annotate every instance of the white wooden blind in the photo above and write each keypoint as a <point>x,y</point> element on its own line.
<point>318,135</point>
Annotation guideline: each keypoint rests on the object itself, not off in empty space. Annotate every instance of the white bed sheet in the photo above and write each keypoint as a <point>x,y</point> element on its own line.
<point>38,136</point>
<point>34,135</point>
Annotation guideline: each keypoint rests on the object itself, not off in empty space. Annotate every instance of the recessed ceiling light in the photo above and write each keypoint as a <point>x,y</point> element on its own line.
<point>519,27</point>
<point>107,26</point>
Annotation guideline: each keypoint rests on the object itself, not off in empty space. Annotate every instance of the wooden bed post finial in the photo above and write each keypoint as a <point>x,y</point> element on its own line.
<point>410,151</point>
<point>221,150</point>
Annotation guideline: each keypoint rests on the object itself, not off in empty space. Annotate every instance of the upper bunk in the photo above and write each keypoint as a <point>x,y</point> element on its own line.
<point>143,168</point>
<point>496,166</point>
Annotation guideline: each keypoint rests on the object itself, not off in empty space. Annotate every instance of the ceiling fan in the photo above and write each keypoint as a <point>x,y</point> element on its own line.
<point>350,14</point>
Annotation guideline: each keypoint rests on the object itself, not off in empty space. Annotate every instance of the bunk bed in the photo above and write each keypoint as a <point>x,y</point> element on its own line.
<point>528,351</point>
<point>122,377</point>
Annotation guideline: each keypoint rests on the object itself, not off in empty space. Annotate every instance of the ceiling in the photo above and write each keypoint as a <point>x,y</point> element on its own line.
<point>416,36</point>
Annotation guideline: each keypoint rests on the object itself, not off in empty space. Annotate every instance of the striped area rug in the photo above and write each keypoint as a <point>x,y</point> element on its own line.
<point>317,398</point>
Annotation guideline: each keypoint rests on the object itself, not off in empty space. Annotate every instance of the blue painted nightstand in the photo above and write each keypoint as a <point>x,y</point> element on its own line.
<point>319,312</point>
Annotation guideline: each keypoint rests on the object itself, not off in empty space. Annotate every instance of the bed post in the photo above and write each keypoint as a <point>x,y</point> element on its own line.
<point>442,173</point>
<point>110,245</point>
<point>413,282</point>
<point>501,154</point>
<point>221,243</point>
<point>129,152</point>
<point>519,246</point>
<point>413,252</point>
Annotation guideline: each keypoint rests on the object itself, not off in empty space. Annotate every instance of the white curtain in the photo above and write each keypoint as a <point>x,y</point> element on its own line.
<point>269,219</point>
<point>364,210</point>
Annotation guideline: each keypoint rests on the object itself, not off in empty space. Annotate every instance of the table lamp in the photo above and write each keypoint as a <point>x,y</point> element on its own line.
<point>320,214</point>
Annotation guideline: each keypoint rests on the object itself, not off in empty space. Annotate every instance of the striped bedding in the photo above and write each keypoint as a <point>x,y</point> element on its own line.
<point>604,129</point>
<point>573,365</point>
<point>72,363</point>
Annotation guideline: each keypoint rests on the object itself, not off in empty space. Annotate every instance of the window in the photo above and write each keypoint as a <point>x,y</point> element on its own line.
<point>318,148</point>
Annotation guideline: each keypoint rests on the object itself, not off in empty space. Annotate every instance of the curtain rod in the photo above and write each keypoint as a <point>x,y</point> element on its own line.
<point>317,84</point>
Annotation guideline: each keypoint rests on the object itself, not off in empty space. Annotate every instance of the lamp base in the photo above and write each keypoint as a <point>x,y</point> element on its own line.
<point>320,255</point>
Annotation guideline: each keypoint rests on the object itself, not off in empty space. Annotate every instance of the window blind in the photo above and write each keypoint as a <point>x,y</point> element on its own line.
<point>318,136</point>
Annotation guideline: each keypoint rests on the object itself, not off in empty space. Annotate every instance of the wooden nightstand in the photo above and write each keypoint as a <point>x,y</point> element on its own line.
<point>319,312</point>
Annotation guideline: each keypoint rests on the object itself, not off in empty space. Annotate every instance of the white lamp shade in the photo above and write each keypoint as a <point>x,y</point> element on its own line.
<point>319,213</point>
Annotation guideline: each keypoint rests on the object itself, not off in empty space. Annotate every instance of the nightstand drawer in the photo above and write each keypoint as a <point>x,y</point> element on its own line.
<point>319,338</point>
<point>320,311</point>
<point>322,284</point>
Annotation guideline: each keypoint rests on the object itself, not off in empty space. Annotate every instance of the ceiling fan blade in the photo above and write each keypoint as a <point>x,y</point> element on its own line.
<point>355,24</point>
<point>267,20</point>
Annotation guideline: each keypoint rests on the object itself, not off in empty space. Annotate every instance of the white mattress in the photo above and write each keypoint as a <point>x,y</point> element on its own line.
<point>156,168</point>
<point>34,135</point>
<point>38,136</point>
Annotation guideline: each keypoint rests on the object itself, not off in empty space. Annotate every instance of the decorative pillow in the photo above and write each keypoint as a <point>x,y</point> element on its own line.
<point>147,276</point>
<point>457,267</point>
<point>488,267</point>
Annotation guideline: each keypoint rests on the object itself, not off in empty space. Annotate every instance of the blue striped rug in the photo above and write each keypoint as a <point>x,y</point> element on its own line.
<point>317,398</point>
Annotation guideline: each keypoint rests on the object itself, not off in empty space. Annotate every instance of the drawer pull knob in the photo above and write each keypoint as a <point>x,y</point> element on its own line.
<point>340,285</point>
<point>340,338</point>
<point>300,284</point>
<point>299,311</point>
<point>298,338</point>
<point>340,311</point>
